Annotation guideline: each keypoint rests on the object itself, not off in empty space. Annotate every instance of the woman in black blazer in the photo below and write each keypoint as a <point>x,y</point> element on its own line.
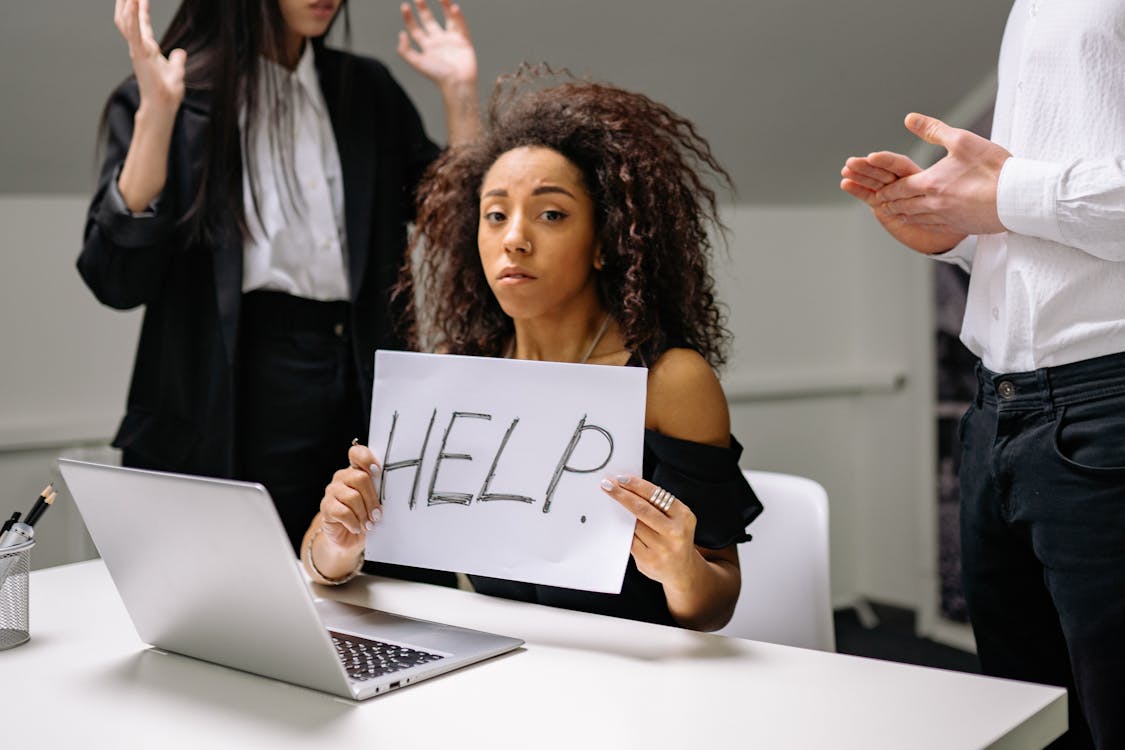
<point>205,208</point>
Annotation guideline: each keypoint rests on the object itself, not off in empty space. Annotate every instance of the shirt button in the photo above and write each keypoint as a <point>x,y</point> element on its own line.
<point>338,329</point>
<point>1006,390</point>
<point>996,313</point>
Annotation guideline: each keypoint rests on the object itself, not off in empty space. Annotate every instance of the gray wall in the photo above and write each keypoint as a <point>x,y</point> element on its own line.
<point>831,374</point>
<point>783,88</point>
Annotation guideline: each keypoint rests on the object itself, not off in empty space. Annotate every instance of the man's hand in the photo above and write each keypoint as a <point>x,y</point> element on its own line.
<point>958,193</point>
<point>865,176</point>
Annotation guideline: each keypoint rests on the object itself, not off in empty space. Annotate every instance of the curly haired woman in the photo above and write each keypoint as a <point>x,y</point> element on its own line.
<point>575,230</point>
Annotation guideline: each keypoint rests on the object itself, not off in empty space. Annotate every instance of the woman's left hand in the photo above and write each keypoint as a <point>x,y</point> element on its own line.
<point>445,55</point>
<point>663,542</point>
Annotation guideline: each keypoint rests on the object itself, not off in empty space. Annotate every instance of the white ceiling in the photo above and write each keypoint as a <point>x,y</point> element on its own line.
<point>784,89</point>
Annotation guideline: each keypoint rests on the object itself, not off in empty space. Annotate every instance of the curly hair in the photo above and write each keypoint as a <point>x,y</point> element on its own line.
<point>645,168</point>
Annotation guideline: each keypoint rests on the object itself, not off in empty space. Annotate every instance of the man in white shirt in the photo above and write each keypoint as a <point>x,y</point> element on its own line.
<point>1037,216</point>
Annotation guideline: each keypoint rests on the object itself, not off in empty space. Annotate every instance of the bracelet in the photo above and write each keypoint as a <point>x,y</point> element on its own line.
<point>323,578</point>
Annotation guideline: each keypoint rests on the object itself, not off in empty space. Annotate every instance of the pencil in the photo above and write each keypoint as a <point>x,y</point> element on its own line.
<point>46,497</point>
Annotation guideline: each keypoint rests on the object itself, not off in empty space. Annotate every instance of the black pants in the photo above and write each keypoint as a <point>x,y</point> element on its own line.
<point>298,400</point>
<point>1043,535</point>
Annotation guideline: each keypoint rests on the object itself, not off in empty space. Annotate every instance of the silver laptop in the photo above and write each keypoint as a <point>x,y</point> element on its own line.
<point>205,569</point>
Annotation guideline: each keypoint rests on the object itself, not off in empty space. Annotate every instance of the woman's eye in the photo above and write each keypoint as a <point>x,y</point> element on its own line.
<point>553,215</point>
<point>493,216</point>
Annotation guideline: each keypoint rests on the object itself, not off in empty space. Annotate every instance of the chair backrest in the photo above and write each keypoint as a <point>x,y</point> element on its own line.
<point>785,596</point>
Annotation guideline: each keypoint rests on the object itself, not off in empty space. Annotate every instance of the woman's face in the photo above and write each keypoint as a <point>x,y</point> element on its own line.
<point>308,18</point>
<point>536,234</point>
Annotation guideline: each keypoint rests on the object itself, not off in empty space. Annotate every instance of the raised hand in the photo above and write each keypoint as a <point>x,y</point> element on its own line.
<point>160,78</point>
<point>865,176</point>
<point>445,55</point>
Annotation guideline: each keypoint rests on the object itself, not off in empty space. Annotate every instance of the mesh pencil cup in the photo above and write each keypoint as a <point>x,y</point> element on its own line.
<point>15,564</point>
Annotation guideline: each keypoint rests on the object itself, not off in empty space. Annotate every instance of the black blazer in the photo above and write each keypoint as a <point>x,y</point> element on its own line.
<point>181,407</point>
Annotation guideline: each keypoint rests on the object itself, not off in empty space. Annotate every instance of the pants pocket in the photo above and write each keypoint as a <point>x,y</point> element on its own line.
<point>1090,436</point>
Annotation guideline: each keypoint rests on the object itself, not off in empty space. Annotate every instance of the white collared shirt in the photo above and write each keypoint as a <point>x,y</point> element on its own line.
<point>1051,290</point>
<point>299,250</point>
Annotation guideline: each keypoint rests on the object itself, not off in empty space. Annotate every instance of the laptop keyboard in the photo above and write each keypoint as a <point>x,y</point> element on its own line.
<point>365,659</point>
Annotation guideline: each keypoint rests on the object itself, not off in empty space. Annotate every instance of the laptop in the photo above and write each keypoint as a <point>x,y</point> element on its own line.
<point>205,569</point>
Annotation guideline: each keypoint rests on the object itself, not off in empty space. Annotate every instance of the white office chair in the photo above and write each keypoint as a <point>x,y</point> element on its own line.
<point>785,594</point>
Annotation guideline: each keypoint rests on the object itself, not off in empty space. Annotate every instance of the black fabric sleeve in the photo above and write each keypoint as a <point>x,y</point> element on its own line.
<point>708,480</point>
<point>418,150</point>
<point>124,256</point>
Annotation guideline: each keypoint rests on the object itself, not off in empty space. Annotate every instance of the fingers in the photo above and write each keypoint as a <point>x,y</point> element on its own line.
<point>125,18</point>
<point>910,207</point>
<point>350,500</point>
<point>429,23</point>
<point>930,129</point>
<point>144,22</point>
<point>907,187</point>
<point>406,51</point>
<point>454,18</point>
<point>420,24</point>
<point>360,476</point>
<point>178,59</point>
<point>858,191</point>
<point>361,457</point>
<point>902,166</point>
<point>860,168</point>
<point>633,493</point>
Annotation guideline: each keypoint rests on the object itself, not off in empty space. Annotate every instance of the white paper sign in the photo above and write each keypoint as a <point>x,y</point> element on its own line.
<point>492,466</point>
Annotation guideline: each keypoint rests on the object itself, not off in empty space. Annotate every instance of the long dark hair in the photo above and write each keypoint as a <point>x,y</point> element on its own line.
<point>646,169</point>
<point>225,41</point>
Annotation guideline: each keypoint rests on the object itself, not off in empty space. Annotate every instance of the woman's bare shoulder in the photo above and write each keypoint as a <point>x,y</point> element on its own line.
<point>686,400</point>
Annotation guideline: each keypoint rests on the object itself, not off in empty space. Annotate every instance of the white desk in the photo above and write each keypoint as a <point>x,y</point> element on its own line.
<point>85,680</point>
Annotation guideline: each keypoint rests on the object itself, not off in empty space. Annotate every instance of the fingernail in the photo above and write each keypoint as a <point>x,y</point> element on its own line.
<point>374,468</point>
<point>623,479</point>
<point>376,515</point>
<point>369,525</point>
<point>607,485</point>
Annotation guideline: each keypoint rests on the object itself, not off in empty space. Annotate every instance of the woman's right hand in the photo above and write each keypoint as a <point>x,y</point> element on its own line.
<point>350,507</point>
<point>160,79</point>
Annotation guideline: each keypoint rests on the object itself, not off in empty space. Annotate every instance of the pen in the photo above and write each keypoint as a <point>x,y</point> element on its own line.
<point>23,531</point>
<point>8,524</point>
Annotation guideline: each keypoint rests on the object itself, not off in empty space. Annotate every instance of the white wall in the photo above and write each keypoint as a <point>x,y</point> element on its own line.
<point>831,378</point>
<point>65,364</point>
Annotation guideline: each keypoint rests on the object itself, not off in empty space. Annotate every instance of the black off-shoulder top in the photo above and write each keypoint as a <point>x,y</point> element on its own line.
<point>708,480</point>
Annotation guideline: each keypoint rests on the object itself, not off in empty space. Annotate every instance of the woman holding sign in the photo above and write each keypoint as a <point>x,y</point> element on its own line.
<point>575,230</point>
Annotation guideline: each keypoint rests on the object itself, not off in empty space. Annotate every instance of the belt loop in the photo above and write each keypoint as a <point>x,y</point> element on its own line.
<point>1043,377</point>
<point>978,398</point>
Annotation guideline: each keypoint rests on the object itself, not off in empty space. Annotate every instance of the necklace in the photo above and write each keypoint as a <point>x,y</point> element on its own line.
<point>596,341</point>
<point>510,350</point>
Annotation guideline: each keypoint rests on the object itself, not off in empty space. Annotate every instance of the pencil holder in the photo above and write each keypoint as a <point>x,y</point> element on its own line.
<point>15,564</point>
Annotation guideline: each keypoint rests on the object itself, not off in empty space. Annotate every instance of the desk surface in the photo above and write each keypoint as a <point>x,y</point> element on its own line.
<point>86,680</point>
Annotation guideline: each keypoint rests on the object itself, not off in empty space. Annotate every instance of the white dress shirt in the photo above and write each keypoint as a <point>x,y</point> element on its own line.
<point>1051,290</point>
<point>298,246</point>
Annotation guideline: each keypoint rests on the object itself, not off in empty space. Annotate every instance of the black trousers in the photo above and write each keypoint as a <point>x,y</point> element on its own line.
<point>1043,535</point>
<point>298,400</point>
